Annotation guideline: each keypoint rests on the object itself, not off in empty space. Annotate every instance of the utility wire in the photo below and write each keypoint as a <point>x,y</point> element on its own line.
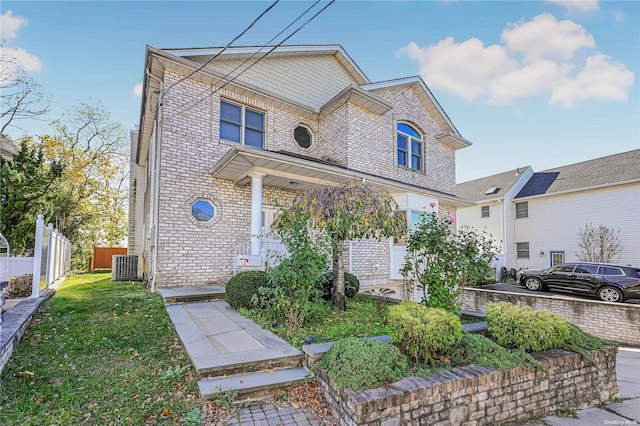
<point>259,59</point>
<point>244,62</point>
<point>226,47</point>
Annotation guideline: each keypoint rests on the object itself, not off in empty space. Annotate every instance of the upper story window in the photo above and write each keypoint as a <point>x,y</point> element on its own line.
<point>522,209</point>
<point>409,147</point>
<point>484,211</point>
<point>241,124</point>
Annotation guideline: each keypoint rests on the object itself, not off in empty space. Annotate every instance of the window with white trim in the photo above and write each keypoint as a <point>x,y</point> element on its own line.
<point>522,210</point>
<point>523,250</point>
<point>409,147</point>
<point>241,124</point>
<point>484,211</point>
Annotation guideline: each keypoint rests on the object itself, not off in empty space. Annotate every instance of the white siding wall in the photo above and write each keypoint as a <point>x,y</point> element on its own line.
<point>554,222</point>
<point>472,217</point>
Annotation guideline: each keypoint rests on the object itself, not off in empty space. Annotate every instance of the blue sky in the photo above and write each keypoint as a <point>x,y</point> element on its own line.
<point>540,83</point>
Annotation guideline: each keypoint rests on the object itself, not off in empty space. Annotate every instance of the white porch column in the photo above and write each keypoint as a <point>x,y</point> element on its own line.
<point>256,213</point>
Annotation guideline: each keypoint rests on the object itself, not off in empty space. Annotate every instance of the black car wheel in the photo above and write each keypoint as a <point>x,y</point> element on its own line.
<point>610,294</point>
<point>533,283</point>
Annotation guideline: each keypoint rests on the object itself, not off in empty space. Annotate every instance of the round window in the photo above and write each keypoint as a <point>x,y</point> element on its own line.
<point>203,210</point>
<point>303,136</point>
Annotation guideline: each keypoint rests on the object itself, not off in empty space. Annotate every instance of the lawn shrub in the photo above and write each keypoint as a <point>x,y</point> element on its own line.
<point>243,286</point>
<point>19,286</point>
<point>581,342</point>
<point>423,332</point>
<point>518,326</point>
<point>479,350</point>
<point>363,364</point>
<point>351,285</point>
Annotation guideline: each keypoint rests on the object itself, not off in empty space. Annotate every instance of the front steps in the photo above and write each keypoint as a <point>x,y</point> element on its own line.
<point>230,352</point>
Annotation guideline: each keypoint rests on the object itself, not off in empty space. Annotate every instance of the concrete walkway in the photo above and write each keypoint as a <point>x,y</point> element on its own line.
<point>229,351</point>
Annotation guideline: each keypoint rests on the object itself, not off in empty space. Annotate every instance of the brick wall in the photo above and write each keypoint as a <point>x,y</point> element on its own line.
<point>619,322</point>
<point>192,253</point>
<point>474,396</point>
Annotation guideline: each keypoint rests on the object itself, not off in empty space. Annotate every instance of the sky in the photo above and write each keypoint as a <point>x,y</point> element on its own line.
<point>539,83</point>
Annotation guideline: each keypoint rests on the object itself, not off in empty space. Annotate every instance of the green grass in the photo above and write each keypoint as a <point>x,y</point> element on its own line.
<point>101,353</point>
<point>364,317</point>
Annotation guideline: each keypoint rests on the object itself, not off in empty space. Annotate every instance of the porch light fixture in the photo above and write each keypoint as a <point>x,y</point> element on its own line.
<point>541,254</point>
<point>294,183</point>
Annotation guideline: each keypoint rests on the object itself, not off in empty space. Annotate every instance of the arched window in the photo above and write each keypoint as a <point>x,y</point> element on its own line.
<point>409,147</point>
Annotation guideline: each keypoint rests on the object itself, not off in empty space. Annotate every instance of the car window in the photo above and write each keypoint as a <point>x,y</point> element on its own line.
<point>608,270</point>
<point>564,268</point>
<point>586,269</point>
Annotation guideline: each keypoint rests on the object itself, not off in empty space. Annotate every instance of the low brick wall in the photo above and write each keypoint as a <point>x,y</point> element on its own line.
<point>618,322</point>
<point>473,396</point>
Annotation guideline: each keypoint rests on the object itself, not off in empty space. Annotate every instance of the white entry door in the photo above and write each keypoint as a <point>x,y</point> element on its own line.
<point>271,246</point>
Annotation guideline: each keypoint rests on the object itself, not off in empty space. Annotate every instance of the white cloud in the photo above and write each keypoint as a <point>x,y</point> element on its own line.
<point>546,38</point>
<point>9,25</point>
<point>577,6</point>
<point>137,90</point>
<point>532,79</point>
<point>464,68</point>
<point>18,58</point>
<point>535,58</point>
<point>601,78</point>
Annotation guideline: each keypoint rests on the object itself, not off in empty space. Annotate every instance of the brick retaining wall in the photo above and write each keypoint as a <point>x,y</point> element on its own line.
<point>473,396</point>
<point>618,322</point>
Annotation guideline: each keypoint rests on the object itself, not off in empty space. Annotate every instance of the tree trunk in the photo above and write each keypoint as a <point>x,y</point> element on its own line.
<point>339,299</point>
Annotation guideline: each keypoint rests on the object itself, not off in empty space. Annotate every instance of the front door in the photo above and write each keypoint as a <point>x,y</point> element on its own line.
<point>271,246</point>
<point>557,257</point>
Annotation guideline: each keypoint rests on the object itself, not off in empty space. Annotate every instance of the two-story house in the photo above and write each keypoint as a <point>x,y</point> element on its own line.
<point>226,136</point>
<point>535,217</point>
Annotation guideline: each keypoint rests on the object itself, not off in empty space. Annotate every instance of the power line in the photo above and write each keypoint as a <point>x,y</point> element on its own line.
<point>245,61</point>
<point>261,58</point>
<point>226,47</point>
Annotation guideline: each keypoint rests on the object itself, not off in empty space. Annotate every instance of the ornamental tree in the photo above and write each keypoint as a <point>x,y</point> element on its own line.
<point>348,212</point>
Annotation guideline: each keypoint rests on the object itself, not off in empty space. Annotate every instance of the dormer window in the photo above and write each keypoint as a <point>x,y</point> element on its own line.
<point>409,147</point>
<point>241,124</point>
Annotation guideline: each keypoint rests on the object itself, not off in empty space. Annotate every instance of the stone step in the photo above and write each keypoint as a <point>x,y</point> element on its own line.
<point>224,365</point>
<point>174,295</point>
<point>253,386</point>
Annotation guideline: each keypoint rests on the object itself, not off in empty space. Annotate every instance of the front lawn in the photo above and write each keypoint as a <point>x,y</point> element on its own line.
<point>99,353</point>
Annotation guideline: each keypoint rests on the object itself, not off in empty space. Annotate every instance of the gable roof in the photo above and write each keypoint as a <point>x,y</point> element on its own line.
<point>430,102</point>
<point>476,190</point>
<point>605,171</point>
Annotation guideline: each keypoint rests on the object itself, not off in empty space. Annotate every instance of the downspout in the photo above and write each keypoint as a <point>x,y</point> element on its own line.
<point>156,184</point>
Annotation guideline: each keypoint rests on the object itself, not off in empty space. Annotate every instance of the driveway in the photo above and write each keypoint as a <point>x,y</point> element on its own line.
<point>514,288</point>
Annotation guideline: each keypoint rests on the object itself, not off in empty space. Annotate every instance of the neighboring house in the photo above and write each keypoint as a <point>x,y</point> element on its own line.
<point>7,147</point>
<point>535,217</point>
<point>217,155</point>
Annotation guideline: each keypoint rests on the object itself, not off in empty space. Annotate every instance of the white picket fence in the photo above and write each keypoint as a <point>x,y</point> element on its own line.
<point>51,260</point>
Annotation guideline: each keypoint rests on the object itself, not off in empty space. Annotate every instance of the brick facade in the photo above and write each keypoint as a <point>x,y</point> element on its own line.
<point>192,253</point>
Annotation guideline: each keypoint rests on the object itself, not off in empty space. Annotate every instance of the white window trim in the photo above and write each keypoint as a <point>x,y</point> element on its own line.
<point>482,209</point>
<point>526,211</point>
<point>409,153</point>
<point>243,125</point>
<point>313,138</point>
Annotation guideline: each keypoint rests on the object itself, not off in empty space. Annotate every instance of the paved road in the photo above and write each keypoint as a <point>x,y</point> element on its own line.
<point>514,288</point>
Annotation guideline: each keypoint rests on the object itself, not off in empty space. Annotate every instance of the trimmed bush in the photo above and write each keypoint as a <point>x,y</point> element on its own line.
<point>363,364</point>
<point>351,285</point>
<point>241,288</point>
<point>518,326</point>
<point>423,332</point>
<point>19,286</point>
<point>479,350</point>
